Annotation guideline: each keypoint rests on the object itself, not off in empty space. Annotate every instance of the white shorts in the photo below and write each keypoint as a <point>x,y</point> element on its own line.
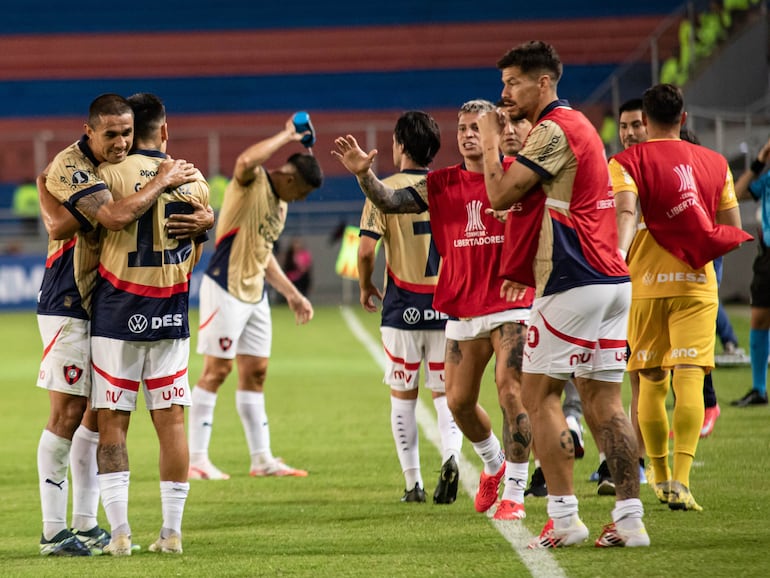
<point>481,327</point>
<point>66,363</point>
<point>580,331</point>
<point>121,366</point>
<point>228,326</point>
<point>404,353</point>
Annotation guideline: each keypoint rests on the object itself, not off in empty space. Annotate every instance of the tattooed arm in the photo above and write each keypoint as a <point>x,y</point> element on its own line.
<point>115,215</point>
<point>359,163</point>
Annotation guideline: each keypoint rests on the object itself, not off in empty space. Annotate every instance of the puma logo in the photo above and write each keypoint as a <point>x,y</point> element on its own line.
<point>58,485</point>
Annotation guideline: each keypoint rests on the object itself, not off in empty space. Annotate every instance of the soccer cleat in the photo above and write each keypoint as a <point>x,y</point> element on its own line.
<point>277,469</point>
<point>575,533</point>
<point>65,543</point>
<point>416,494</point>
<point>709,420</point>
<point>94,539</point>
<point>119,546</point>
<point>606,485</point>
<point>448,479</point>
<point>751,398</point>
<point>612,536</point>
<point>489,488</point>
<point>537,485</point>
<point>171,544</point>
<point>510,510</point>
<point>680,498</point>
<point>662,491</point>
<point>207,471</point>
<point>577,436</point>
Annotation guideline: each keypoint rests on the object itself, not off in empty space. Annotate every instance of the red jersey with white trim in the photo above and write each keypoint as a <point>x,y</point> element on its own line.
<point>412,261</point>
<point>250,222</point>
<point>70,267</point>
<point>578,242</point>
<point>469,241</point>
<point>141,293</point>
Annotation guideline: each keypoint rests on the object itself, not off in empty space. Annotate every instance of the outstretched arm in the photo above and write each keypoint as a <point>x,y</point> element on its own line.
<point>743,182</point>
<point>359,163</point>
<point>115,215</point>
<point>258,154</point>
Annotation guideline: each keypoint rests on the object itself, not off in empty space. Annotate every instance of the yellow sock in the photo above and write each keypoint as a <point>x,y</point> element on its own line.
<point>688,419</point>
<point>653,421</point>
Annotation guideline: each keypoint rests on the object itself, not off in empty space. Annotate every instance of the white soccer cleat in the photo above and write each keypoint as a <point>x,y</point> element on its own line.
<point>171,544</point>
<point>206,471</point>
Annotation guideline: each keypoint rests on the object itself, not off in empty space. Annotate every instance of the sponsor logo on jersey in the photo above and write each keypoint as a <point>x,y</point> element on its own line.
<point>79,178</point>
<point>684,352</point>
<point>72,373</point>
<point>411,315</point>
<point>680,276</point>
<point>645,355</point>
<point>137,323</point>
<point>475,231</point>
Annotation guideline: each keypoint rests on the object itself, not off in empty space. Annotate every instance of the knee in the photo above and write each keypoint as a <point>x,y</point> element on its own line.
<point>215,373</point>
<point>65,417</point>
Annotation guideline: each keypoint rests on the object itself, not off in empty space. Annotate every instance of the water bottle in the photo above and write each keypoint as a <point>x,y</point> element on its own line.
<point>302,124</point>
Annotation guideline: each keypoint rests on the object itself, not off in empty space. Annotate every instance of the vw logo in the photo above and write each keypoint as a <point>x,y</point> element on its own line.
<point>137,323</point>
<point>411,315</point>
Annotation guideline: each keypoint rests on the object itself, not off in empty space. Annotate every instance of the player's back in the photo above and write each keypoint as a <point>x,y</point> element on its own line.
<point>142,270</point>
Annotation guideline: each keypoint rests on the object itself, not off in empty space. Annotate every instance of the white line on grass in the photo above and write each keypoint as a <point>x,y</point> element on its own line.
<point>539,562</point>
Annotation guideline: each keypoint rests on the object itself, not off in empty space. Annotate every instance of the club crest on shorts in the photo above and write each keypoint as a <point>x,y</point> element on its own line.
<point>72,373</point>
<point>225,343</point>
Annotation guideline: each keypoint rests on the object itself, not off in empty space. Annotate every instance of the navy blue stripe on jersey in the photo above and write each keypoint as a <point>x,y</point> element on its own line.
<point>59,294</point>
<point>149,153</point>
<point>85,192</point>
<point>370,234</point>
<point>404,309</point>
<point>85,224</point>
<point>418,199</point>
<point>121,315</point>
<point>220,260</point>
<point>541,172</point>
<point>570,267</point>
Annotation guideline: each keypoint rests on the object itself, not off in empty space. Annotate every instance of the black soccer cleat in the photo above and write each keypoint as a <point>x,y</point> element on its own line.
<point>448,479</point>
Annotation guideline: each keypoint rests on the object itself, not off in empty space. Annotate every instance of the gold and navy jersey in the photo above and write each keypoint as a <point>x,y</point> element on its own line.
<point>412,261</point>
<point>141,292</point>
<point>70,268</point>
<point>251,220</point>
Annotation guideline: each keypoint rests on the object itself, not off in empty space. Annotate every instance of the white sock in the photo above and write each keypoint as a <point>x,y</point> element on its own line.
<point>114,490</point>
<point>561,509</point>
<point>451,436</point>
<point>52,464</point>
<point>85,488</point>
<point>537,463</point>
<point>201,424</point>
<point>491,453</point>
<point>251,408</point>
<point>629,509</point>
<point>173,496</point>
<point>602,458</point>
<point>403,424</point>
<point>515,481</point>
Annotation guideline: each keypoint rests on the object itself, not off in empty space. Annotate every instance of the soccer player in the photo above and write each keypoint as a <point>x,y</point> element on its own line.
<point>482,320</point>
<point>752,184</point>
<point>74,201</point>
<point>579,316</point>
<point>412,331</point>
<point>140,333</point>
<point>234,311</point>
<point>683,191</point>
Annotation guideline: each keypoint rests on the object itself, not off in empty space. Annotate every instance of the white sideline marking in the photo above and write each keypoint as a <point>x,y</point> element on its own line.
<point>538,562</point>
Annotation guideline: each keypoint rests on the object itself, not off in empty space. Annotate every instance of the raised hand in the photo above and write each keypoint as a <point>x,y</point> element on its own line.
<point>352,156</point>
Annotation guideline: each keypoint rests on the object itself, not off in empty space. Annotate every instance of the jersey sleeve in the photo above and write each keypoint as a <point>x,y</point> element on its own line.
<point>728,199</point>
<point>70,178</point>
<point>372,221</point>
<point>546,150</point>
<point>620,178</point>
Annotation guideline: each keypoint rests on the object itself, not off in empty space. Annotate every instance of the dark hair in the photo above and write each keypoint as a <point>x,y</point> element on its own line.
<point>149,114</point>
<point>663,104</point>
<point>630,105</point>
<point>688,135</point>
<point>107,105</point>
<point>308,168</point>
<point>533,57</point>
<point>420,135</point>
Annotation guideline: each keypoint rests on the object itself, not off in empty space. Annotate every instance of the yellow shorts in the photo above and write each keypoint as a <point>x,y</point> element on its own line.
<point>670,331</point>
